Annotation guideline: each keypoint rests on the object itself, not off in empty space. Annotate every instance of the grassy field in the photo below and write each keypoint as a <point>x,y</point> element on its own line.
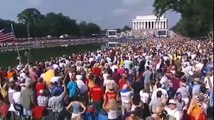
<point>10,58</point>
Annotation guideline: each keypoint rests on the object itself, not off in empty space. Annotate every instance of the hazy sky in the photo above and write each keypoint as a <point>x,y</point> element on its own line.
<point>106,13</point>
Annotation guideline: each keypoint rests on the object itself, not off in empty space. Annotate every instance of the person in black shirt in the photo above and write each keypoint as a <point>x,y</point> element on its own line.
<point>137,86</point>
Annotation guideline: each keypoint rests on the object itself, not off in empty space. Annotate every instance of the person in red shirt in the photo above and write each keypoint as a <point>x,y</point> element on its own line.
<point>96,94</point>
<point>110,94</point>
<point>40,86</point>
<point>96,70</point>
<point>123,81</point>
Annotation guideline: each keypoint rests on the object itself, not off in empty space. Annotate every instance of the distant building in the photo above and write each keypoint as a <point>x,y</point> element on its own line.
<point>111,33</point>
<point>150,22</point>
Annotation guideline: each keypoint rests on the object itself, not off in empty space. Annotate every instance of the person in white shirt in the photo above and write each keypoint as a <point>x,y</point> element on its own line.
<point>105,77</point>
<point>186,68</point>
<point>172,110</point>
<point>56,79</point>
<point>114,66</point>
<point>208,81</point>
<point>17,95</point>
<point>81,85</point>
<point>164,80</point>
<point>144,95</point>
<point>126,95</point>
<point>164,92</point>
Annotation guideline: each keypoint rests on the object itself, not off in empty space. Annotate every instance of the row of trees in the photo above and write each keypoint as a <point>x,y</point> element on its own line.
<point>197,15</point>
<point>40,25</point>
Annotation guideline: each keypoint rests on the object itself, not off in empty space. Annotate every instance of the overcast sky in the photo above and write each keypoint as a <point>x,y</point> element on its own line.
<point>106,13</point>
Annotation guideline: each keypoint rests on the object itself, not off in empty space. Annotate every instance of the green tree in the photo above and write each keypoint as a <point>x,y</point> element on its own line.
<point>88,29</point>
<point>59,24</point>
<point>92,28</point>
<point>125,28</point>
<point>54,24</point>
<point>31,17</point>
<point>82,27</point>
<point>197,15</point>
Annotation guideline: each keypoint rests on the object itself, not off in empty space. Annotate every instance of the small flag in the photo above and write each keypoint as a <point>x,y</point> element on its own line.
<point>6,35</point>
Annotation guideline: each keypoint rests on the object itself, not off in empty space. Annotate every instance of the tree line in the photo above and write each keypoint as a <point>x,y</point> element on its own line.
<point>196,15</point>
<point>53,24</point>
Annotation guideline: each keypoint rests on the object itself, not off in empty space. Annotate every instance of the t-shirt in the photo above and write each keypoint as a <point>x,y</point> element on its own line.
<point>55,79</point>
<point>55,103</point>
<point>126,96</point>
<point>147,76</point>
<point>110,95</point>
<point>96,71</point>
<point>81,85</point>
<point>121,83</point>
<point>72,88</point>
<point>206,81</point>
<point>97,93</point>
<point>127,64</point>
<point>144,97</point>
<point>17,97</point>
<point>27,95</point>
<point>40,86</point>
<point>174,113</point>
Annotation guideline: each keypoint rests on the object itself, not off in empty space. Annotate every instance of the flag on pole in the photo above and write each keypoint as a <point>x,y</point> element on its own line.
<point>6,35</point>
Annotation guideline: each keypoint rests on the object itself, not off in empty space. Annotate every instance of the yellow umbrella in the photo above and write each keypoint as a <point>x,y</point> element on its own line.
<point>48,75</point>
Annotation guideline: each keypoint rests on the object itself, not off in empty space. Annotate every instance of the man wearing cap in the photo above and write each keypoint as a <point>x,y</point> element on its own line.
<point>172,110</point>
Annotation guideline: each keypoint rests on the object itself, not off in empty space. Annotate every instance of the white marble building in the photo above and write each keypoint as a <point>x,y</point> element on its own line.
<point>150,22</point>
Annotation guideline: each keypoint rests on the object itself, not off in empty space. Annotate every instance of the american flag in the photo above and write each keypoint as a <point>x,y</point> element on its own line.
<point>6,35</point>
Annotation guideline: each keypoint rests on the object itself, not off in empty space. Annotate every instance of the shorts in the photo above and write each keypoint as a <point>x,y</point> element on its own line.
<point>75,115</point>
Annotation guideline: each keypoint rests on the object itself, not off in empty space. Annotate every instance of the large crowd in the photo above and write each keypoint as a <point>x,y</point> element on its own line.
<point>164,79</point>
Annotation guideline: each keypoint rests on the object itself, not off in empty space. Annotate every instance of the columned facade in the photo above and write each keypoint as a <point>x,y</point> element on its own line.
<point>149,22</point>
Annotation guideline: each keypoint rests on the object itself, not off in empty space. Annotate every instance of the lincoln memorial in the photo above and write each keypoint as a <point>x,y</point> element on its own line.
<point>150,22</point>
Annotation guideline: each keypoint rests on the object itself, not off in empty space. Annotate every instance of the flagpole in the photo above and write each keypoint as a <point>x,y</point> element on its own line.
<point>29,49</point>
<point>17,48</point>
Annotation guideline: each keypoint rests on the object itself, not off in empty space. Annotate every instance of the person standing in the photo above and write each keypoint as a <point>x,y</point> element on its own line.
<point>28,100</point>
<point>72,87</point>
<point>96,94</point>
<point>147,75</point>
<point>55,102</point>
<point>76,106</point>
<point>126,94</point>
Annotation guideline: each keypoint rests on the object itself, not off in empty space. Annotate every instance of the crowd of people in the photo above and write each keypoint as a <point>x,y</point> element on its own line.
<point>164,79</point>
